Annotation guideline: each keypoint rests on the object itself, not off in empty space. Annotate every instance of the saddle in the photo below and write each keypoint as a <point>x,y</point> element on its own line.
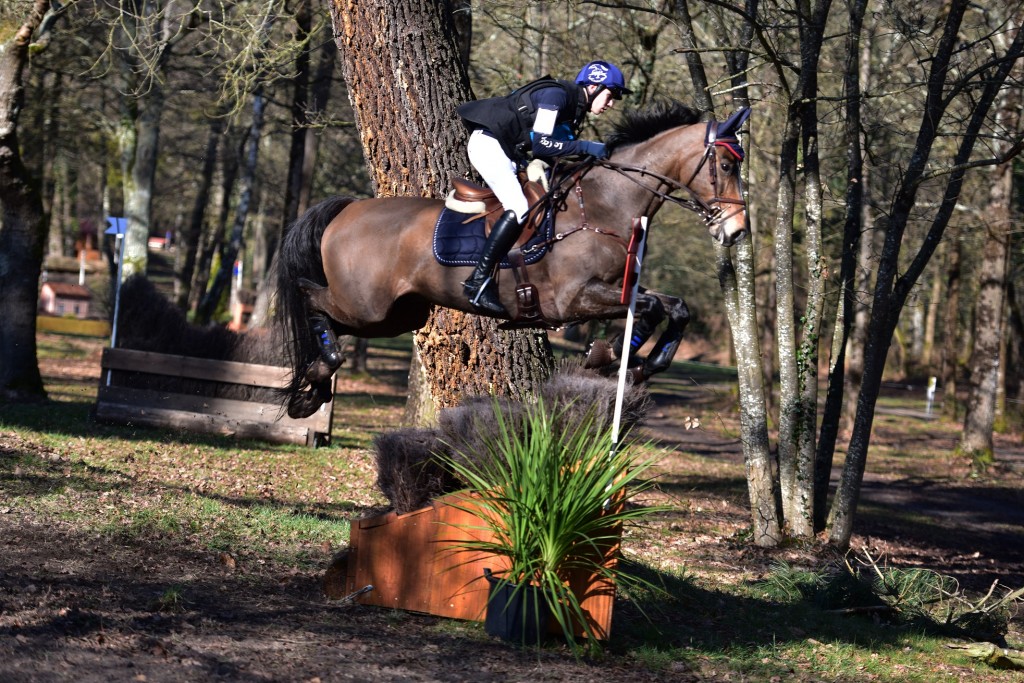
<point>479,201</point>
<point>472,198</point>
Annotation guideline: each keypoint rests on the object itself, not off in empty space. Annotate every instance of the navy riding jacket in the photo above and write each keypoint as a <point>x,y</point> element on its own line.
<point>542,119</point>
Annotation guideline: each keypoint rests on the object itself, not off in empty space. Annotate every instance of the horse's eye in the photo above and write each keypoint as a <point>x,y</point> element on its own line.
<point>727,167</point>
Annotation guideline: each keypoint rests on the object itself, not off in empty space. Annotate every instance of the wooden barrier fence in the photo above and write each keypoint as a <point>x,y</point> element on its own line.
<point>119,402</point>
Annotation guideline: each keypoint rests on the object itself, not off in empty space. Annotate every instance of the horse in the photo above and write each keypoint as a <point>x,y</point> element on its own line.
<point>365,267</point>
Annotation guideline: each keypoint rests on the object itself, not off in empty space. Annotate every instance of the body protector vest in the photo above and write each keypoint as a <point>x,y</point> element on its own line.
<point>510,118</point>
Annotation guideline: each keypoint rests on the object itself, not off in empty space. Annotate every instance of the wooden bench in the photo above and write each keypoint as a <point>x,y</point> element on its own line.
<point>118,402</point>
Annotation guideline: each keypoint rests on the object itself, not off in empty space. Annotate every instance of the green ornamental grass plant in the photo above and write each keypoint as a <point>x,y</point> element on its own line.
<point>552,497</point>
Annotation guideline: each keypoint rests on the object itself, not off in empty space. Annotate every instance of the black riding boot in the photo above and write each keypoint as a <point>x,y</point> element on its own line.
<point>480,288</point>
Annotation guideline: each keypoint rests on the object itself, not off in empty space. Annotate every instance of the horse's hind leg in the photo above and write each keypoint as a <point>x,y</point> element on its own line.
<point>319,369</point>
<point>665,348</point>
<point>320,326</point>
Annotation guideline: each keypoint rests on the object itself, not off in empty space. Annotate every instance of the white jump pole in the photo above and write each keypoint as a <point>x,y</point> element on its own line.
<point>627,336</point>
<point>118,228</point>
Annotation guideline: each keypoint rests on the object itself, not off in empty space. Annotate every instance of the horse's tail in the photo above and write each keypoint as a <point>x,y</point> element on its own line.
<point>298,259</point>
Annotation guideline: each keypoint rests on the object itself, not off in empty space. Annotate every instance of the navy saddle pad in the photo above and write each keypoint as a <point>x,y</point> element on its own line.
<point>457,243</point>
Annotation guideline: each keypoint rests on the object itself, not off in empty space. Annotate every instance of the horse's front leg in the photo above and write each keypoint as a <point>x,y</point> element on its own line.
<point>648,312</point>
<point>602,301</point>
<point>665,348</point>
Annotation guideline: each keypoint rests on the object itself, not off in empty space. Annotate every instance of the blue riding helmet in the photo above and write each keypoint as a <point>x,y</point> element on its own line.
<point>604,74</point>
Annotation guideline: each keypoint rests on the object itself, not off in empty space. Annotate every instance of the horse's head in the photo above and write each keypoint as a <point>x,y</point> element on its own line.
<point>715,181</point>
<point>699,160</point>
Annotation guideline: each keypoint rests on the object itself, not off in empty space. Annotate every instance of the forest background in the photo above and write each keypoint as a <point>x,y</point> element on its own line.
<point>879,176</point>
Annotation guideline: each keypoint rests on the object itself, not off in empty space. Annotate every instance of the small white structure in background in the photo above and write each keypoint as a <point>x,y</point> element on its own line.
<point>930,394</point>
<point>64,298</point>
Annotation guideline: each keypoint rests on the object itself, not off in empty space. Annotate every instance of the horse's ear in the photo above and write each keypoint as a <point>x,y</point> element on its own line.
<point>732,124</point>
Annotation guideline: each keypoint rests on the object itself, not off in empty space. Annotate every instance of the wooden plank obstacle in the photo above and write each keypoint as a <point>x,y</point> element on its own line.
<point>119,402</point>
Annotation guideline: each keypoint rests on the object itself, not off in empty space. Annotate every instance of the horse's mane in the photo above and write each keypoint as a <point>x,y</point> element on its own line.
<point>643,124</point>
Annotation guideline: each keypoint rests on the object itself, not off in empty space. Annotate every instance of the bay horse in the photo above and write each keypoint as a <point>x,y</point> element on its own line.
<point>365,267</point>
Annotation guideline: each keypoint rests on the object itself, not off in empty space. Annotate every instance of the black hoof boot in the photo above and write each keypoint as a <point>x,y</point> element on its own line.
<point>326,341</point>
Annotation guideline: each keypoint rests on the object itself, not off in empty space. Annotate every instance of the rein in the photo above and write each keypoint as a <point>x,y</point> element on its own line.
<point>702,208</point>
<point>709,211</point>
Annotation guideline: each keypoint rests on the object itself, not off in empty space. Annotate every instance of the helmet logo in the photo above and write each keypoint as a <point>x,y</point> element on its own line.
<point>597,72</point>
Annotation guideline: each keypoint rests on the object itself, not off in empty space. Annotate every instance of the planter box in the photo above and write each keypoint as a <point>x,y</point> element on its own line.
<point>409,561</point>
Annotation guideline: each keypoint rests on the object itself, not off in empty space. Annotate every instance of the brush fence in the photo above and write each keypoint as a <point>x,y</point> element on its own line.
<point>121,400</point>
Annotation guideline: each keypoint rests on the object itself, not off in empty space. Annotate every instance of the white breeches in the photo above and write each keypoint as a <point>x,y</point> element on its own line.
<point>498,171</point>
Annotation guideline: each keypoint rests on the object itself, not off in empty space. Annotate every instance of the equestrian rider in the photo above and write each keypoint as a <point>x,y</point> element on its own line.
<point>541,120</point>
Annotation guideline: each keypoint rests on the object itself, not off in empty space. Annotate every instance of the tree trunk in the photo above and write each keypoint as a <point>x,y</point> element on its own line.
<point>321,93</point>
<point>798,505</point>
<point>930,321</point>
<point>392,54</point>
<point>1015,338</point>
<point>988,313</point>
<point>951,325</point>
<point>140,137</point>
<point>210,245</point>
<point>797,357</point>
<point>855,72</point>
<point>190,238</point>
<point>22,229</point>
<point>891,292</point>
<point>227,262</point>
<point>299,123</point>
<point>736,276</point>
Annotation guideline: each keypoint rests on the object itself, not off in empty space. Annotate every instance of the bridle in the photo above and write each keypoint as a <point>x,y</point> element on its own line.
<point>710,211</point>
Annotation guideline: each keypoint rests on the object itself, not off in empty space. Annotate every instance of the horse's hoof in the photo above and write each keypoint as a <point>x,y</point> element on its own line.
<point>318,371</point>
<point>599,355</point>
<point>637,375</point>
<point>304,404</point>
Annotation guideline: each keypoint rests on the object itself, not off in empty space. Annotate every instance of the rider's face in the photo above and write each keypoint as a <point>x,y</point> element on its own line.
<point>604,100</point>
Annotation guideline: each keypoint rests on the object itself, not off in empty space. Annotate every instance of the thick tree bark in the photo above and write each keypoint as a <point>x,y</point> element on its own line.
<point>22,229</point>
<point>405,80</point>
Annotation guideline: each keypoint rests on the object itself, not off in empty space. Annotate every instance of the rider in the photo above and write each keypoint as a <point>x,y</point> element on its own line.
<point>542,120</point>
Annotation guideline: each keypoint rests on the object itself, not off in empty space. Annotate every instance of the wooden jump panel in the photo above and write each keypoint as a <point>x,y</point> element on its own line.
<point>205,414</point>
